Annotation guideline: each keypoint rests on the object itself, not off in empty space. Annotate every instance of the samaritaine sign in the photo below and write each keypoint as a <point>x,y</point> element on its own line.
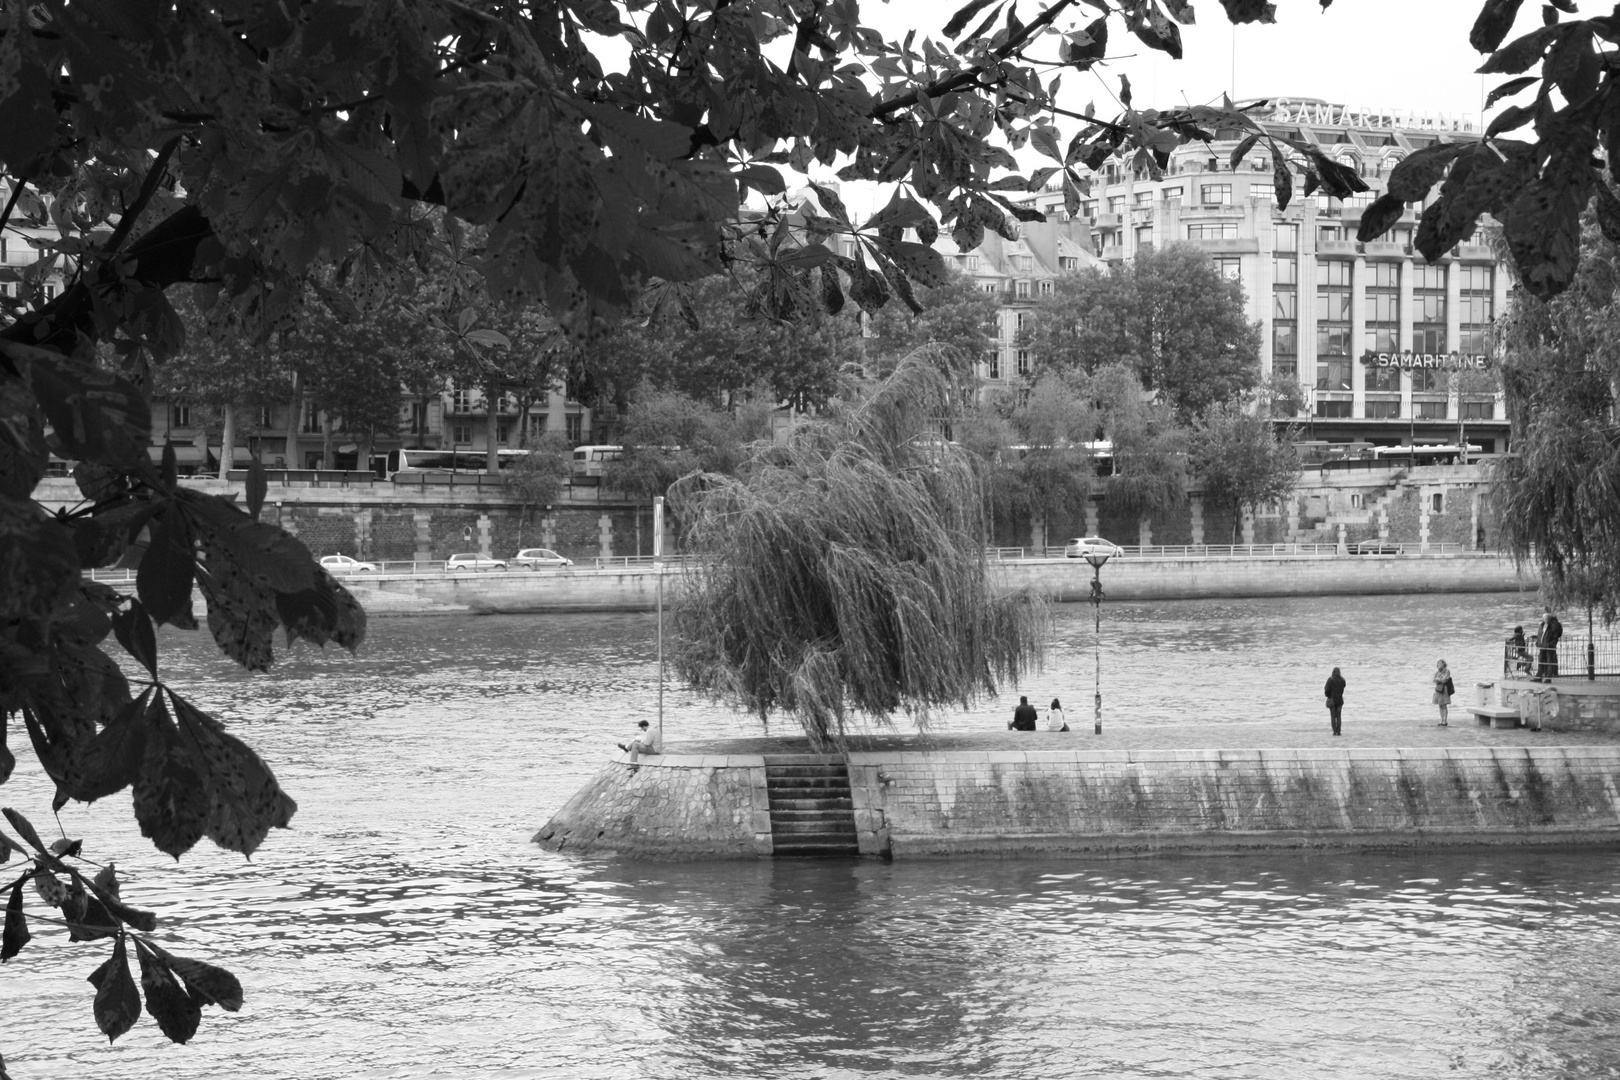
<point>1326,114</point>
<point>1409,361</point>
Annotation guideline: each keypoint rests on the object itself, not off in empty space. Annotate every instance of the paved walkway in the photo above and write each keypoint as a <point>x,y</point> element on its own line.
<point>1223,735</point>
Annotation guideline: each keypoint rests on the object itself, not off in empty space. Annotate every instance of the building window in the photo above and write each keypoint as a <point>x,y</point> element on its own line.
<point>461,401</point>
<point>1383,408</point>
<point>1286,236</point>
<point>1144,237</point>
<point>1333,325</point>
<point>1439,503</point>
<point>50,292</point>
<point>1116,204</point>
<point>536,425</point>
<point>574,428</point>
<point>1230,269</point>
<point>418,422</point>
<point>1429,318</point>
<point>1382,379</point>
<point>1477,303</point>
<point>1383,330</point>
<point>995,365</point>
<point>1212,230</point>
<point>1170,193</point>
<point>1216,194</point>
<point>1142,198</point>
<point>503,431</point>
<point>1333,408</point>
<point>179,415</point>
<point>1088,209</point>
<point>1284,340</point>
<point>312,419</point>
<point>461,433</point>
<point>1328,234</point>
<point>1023,361</point>
<point>266,416</point>
<point>1478,410</point>
<point>1046,286</point>
<point>1431,410</point>
<point>1023,290</point>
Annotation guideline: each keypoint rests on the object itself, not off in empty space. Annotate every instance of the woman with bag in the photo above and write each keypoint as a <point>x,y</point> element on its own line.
<point>1334,690</point>
<point>1443,689</point>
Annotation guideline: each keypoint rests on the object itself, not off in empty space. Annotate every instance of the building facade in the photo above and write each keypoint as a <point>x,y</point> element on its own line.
<point>1389,349</point>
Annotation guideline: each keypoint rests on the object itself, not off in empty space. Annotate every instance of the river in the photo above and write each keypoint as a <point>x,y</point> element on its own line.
<point>405,927</point>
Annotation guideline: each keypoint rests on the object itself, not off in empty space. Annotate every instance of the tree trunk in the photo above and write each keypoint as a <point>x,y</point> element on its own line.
<point>363,459</point>
<point>421,429</point>
<point>294,411</point>
<point>492,404</point>
<point>227,442</point>
<point>326,441</point>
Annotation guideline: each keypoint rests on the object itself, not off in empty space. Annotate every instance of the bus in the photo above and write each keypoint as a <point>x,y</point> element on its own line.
<point>588,460</point>
<point>1423,454</point>
<point>406,460</point>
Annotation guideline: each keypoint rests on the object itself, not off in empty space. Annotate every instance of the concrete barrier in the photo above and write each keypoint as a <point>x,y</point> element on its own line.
<point>910,804</point>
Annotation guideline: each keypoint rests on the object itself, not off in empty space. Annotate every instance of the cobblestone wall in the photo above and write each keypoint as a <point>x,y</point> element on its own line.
<point>659,812</point>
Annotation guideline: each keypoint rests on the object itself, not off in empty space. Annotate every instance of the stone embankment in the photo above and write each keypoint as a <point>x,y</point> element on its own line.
<point>635,588</point>
<point>1144,792</point>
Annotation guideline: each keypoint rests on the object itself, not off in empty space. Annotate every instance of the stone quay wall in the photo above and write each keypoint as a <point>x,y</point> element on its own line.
<point>692,807</point>
<point>636,588</point>
<point>911,804</point>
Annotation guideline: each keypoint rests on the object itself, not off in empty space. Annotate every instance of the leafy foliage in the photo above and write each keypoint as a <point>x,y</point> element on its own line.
<point>956,315</point>
<point>1556,494</point>
<point>1168,315</point>
<point>1240,459</point>
<point>844,573</point>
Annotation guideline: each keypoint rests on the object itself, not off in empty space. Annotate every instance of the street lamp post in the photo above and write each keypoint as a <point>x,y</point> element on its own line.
<point>1096,559</point>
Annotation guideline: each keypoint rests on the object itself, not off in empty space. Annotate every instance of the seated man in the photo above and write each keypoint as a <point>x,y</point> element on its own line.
<point>1023,716</point>
<point>646,742</point>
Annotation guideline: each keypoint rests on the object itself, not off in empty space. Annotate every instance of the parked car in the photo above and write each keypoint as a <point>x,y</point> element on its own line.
<point>1081,546</point>
<point>474,561</point>
<point>1377,547</point>
<point>540,558</point>
<point>342,564</point>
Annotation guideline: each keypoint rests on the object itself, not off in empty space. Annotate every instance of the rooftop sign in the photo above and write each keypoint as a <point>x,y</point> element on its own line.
<point>1410,361</point>
<point>1325,114</point>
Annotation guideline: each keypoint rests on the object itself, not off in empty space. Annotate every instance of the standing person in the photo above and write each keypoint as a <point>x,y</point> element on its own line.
<point>1054,717</point>
<point>1334,690</point>
<point>1518,654</point>
<point>1443,689</point>
<point>1023,716</point>
<point>1547,646</point>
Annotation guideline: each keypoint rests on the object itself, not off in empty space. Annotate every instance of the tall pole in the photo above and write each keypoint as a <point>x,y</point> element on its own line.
<point>1096,608</point>
<point>658,570</point>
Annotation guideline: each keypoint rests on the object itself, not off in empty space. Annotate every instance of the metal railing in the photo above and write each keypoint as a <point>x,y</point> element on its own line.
<point>1577,656</point>
<point>1225,551</point>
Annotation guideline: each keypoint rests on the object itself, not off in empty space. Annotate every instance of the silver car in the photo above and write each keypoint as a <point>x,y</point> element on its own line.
<point>474,561</point>
<point>1081,546</point>
<point>342,564</point>
<point>540,559</point>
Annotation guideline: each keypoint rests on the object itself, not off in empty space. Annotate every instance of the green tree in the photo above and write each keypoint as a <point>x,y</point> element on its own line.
<point>1167,314</point>
<point>1148,441</point>
<point>1557,493</point>
<point>800,604</point>
<point>957,315</point>
<point>1056,424</point>
<point>1240,460</point>
<point>536,479</point>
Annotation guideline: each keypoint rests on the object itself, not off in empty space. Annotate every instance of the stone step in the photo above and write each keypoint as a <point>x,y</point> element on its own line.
<point>774,772</point>
<point>810,815</point>
<point>832,847</point>
<point>810,793</point>
<point>844,805</point>
<point>807,781</point>
<point>799,829</point>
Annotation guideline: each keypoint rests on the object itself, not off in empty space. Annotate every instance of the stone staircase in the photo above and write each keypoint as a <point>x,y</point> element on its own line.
<point>812,814</point>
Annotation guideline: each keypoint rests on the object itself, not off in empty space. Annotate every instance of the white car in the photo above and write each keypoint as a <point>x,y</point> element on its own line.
<point>474,561</point>
<point>342,564</point>
<point>540,558</point>
<point>1081,546</point>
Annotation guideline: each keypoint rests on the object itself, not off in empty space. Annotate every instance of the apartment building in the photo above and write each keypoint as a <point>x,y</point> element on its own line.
<point>1389,349</point>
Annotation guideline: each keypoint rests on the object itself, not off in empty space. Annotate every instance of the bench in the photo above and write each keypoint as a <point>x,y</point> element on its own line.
<point>1494,716</point>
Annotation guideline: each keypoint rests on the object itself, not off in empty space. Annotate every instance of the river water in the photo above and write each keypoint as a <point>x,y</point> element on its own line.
<point>406,927</point>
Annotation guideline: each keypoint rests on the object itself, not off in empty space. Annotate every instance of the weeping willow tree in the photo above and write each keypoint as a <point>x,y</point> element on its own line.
<point>843,574</point>
<point>1558,494</point>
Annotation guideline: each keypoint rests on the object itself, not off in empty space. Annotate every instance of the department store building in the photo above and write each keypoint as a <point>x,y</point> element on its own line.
<point>1390,350</point>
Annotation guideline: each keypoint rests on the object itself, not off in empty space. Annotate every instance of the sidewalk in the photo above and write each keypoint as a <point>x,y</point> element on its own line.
<point>1120,734</point>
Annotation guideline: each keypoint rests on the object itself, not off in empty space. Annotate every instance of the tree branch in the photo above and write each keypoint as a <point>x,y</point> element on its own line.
<point>154,176</point>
